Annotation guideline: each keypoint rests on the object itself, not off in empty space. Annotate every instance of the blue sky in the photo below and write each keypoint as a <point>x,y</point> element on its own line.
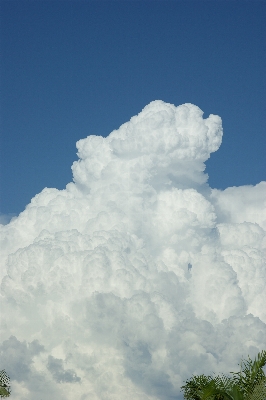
<point>74,68</point>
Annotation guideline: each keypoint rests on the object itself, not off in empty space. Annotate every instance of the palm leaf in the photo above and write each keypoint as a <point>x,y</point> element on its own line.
<point>4,384</point>
<point>259,391</point>
<point>251,374</point>
<point>248,384</point>
<point>4,392</point>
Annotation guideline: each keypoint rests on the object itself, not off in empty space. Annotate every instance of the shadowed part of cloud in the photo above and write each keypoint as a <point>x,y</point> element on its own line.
<point>55,366</point>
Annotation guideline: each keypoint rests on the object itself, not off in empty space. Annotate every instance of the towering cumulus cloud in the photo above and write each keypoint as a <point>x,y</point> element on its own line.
<point>137,275</point>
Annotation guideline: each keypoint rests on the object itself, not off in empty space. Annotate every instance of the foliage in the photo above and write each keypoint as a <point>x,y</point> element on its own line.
<point>251,376</point>
<point>5,389</point>
<point>248,384</point>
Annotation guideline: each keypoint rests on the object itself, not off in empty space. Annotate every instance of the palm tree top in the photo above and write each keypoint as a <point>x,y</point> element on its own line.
<point>248,384</point>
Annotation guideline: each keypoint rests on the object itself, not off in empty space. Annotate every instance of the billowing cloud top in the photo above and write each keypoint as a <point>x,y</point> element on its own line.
<point>137,275</point>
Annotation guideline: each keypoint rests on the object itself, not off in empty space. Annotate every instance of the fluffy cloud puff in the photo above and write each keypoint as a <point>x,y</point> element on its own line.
<point>137,275</point>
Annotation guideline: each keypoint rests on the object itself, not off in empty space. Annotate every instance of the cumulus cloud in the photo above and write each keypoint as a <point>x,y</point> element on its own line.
<point>55,366</point>
<point>241,204</point>
<point>6,218</point>
<point>138,274</point>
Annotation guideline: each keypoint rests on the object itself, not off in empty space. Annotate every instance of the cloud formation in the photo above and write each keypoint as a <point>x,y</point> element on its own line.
<point>138,274</point>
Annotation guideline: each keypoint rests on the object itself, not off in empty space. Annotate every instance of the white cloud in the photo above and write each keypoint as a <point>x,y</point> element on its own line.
<point>241,204</point>
<point>97,298</point>
<point>6,218</point>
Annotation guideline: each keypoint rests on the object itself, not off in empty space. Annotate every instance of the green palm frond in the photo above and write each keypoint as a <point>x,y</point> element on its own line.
<point>4,384</point>
<point>4,392</point>
<point>259,391</point>
<point>248,384</point>
<point>251,374</point>
<point>195,387</point>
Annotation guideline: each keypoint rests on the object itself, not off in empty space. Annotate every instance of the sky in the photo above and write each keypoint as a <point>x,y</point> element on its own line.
<point>70,69</point>
<point>131,163</point>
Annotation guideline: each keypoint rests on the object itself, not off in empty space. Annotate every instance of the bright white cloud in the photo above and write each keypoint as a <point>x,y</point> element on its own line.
<point>241,204</point>
<point>97,298</point>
